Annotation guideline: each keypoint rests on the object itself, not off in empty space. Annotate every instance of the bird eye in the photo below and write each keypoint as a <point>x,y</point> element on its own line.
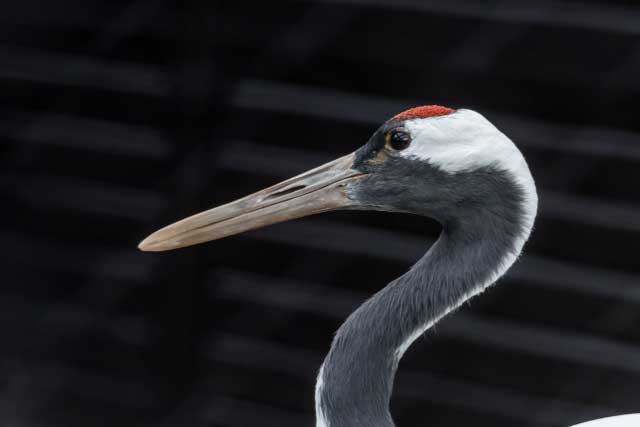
<point>398,139</point>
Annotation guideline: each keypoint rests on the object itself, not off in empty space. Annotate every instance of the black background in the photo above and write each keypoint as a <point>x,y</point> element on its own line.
<point>118,117</point>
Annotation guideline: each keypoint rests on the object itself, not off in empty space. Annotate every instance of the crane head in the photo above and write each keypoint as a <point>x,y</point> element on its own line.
<point>448,164</point>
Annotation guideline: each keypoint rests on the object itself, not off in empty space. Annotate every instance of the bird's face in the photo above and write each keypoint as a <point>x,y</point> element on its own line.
<point>430,160</point>
<point>440,163</point>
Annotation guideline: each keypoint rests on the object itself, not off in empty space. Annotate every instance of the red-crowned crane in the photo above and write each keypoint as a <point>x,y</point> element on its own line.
<point>450,165</point>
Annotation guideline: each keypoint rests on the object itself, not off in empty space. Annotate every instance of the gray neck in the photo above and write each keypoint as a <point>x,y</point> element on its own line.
<point>356,380</point>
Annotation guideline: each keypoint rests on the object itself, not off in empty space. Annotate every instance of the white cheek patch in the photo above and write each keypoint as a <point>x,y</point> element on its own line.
<point>459,141</point>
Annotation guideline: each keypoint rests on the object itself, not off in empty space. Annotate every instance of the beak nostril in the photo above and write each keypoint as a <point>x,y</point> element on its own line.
<point>285,192</point>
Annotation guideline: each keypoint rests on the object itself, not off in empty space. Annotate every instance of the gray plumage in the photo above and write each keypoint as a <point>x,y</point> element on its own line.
<point>481,212</point>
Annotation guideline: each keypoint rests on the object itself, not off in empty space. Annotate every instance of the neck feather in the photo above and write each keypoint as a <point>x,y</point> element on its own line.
<point>356,379</point>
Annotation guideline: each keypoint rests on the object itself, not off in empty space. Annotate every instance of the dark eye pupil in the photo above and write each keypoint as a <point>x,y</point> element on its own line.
<point>399,140</point>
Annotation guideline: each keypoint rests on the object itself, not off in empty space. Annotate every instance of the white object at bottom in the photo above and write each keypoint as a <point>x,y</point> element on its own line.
<point>631,420</point>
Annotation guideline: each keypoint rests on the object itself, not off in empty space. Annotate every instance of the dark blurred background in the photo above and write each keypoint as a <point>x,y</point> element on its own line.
<point>118,117</point>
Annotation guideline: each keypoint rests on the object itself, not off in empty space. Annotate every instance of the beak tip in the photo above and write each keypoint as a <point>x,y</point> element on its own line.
<point>150,244</point>
<point>144,246</point>
<point>159,242</point>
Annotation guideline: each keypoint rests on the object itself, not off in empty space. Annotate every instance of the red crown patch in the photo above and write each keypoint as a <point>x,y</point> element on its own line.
<point>423,112</point>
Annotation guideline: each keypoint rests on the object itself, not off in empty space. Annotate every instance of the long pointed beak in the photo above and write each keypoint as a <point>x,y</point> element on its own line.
<point>319,190</point>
